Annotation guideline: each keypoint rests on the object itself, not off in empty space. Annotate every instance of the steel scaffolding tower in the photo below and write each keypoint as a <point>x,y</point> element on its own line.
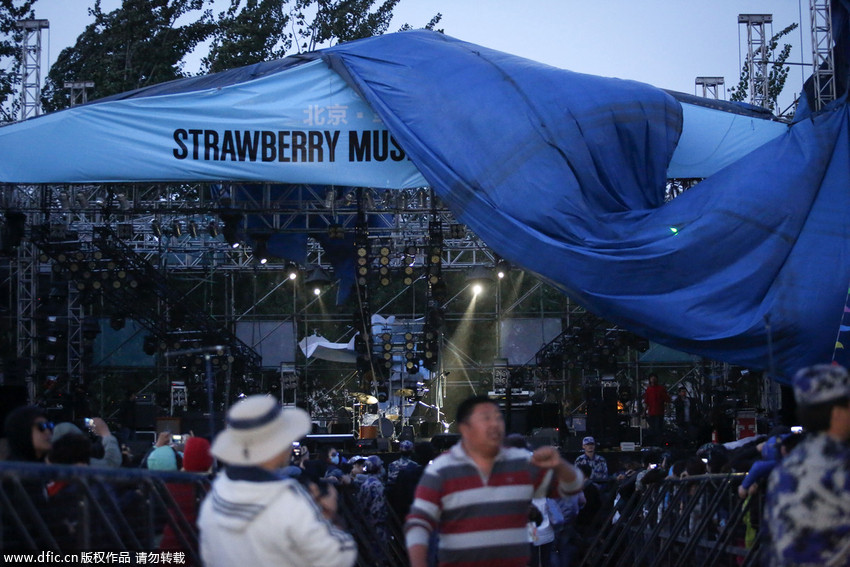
<point>823,64</point>
<point>31,67</point>
<point>79,91</point>
<point>709,87</point>
<point>757,56</point>
<point>27,344</point>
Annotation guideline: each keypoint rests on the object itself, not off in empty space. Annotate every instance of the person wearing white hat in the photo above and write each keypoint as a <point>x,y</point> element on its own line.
<point>252,515</point>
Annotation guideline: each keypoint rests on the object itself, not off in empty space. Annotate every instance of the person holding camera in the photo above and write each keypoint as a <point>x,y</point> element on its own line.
<point>255,516</point>
<point>112,456</point>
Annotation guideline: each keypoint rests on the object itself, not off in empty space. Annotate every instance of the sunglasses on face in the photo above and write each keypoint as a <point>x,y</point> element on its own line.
<point>44,425</point>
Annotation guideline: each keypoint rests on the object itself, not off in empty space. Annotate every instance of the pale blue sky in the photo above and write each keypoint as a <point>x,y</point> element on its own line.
<point>666,43</point>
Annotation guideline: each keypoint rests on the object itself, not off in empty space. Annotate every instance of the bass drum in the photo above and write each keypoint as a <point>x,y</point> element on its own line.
<point>368,432</point>
<point>385,427</point>
<point>370,419</point>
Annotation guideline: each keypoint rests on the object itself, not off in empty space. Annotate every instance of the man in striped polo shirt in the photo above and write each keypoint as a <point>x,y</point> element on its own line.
<point>476,496</point>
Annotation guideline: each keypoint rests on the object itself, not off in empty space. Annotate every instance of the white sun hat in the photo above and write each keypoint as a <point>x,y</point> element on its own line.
<point>258,428</point>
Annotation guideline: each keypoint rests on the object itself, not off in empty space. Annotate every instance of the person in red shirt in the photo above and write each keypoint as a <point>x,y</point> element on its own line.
<point>655,399</point>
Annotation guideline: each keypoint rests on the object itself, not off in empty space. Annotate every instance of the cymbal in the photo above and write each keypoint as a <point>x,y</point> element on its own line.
<point>364,398</point>
<point>346,408</point>
<point>404,392</point>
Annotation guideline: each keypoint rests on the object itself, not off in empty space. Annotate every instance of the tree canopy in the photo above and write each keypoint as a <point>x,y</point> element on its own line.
<point>138,44</point>
<point>146,42</point>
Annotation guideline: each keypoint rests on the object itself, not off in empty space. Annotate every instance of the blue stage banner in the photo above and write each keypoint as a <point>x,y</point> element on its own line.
<point>302,125</point>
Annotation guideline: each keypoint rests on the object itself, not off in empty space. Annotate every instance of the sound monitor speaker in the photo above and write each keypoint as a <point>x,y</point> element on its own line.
<point>199,424</point>
<point>543,415</point>
<point>11,397</point>
<point>518,421</point>
<point>407,433</point>
<point>145,416</point>
<point>366,445</point>
<point>444,441</point>
<point>340,428</point>
<point>342,442</point>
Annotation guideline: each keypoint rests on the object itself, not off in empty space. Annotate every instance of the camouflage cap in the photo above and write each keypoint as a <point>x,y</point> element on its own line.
<point>821,383</point>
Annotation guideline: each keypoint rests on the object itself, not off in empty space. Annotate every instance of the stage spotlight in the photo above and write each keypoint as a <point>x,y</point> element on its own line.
<point>457,231</point>
<point>330,198</point>
<point>149,345</point>
<point>502,267</point>
<point>317,278</point>
<point>193,229</point>
<point>90,328</point>
<point>260,249</point>
<point>230,231</point>
<point>388,198</point>
<point>123,202</point>
<point>176,229</point>
<point>65,201</point>
<point>117,321</point>
<point>156,228</point>
<point>212,229</point>
<point>478,278</point>
<point>335,231</point>
<point>292,272</point>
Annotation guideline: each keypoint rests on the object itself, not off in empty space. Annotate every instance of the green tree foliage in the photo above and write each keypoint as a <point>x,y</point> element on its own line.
<point>776,75</point>
<point>248,34</point>
<point>141,43</point>
<point>10,55</point>
<point>260,30</point>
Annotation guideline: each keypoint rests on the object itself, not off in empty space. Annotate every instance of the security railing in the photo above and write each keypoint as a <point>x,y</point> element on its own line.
<point>695,521</point>
<point>129,513</point>
<point>62,508</point>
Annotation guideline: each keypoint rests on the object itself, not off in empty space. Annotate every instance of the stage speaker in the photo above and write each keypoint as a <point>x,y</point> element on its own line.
<point>199,424</point>
<point>543,436</point>
<point>428,429</point>
<point>340,428</point>
<point>543,415</point>
<point>366,446</point>
<point>444,441</point>
<point>318,442</point>
<point>11,397</point>
<point>145,416</point>
<point>518,422</point>
<point>602,419</point>
<point>407,433</point>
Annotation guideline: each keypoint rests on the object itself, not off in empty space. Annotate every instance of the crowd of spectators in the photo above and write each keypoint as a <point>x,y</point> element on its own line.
<point>561,527</point>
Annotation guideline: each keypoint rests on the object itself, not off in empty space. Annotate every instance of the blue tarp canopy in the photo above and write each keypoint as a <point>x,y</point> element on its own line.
<point>750,266</point>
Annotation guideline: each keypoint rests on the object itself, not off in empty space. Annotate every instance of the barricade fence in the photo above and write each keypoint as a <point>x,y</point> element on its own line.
<point>697,521</point>
<point>128,512</point>
<point>693,522</point>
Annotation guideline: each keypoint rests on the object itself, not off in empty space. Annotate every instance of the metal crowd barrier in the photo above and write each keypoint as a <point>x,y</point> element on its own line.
<point>117,510</point>
<point>131,511</point>
<point>695,521</point>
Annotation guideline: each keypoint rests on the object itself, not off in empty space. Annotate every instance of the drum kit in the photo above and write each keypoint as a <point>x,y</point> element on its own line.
<point>384,424</point>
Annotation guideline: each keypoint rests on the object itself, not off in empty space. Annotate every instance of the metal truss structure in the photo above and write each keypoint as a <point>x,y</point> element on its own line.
<point>823,62</point>
<point>182,223</point>
<point>757,56</point>
<point>710,87</point>
<point>31,67</point>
